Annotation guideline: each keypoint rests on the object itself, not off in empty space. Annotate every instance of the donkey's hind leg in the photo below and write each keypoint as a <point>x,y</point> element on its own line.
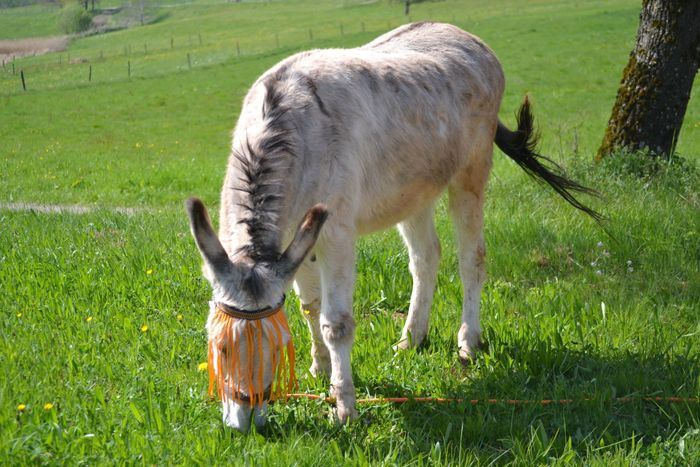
<point>307,284</point>
<point>466,193</point>
<point>423,245</point>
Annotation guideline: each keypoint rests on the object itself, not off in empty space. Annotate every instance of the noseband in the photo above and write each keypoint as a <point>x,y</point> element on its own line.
<point>251,315</point>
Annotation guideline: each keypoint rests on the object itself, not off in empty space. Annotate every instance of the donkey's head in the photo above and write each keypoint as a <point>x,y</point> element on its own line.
<point>251,359</point>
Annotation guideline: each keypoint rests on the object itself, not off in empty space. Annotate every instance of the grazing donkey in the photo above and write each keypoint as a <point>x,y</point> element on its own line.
<point>375,134</point>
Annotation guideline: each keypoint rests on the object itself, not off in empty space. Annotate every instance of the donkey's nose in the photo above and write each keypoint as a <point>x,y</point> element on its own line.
<point>237,416</point>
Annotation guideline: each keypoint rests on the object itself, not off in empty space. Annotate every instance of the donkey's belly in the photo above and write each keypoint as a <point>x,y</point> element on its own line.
<point>382,212</point>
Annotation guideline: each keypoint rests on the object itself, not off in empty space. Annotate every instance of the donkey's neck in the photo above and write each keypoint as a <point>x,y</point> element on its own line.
<point>254,202</point>
<point>259,185</point>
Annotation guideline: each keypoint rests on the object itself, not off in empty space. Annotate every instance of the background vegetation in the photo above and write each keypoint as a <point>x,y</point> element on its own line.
<point>101,334</point>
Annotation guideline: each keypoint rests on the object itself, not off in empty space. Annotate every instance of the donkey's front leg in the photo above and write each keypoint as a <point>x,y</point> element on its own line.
<point>337,263</point>
<point>307,284</point>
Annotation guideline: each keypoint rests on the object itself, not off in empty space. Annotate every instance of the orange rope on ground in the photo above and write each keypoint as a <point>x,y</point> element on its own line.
<point>442,400</point>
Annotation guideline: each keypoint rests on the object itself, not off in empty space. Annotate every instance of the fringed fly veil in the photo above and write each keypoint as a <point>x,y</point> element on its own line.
<point>241,334</point>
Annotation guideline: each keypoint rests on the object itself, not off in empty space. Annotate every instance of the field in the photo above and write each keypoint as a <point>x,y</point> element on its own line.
<point>102,324</point>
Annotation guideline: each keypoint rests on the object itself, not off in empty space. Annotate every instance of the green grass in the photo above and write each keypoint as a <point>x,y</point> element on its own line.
<point>77,289</point>
<point>30,21</point>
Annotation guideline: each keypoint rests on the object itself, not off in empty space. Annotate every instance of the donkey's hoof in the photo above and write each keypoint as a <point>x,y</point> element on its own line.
<point>410,342</point>
<point>403,344</point>
<point>344,414</point>
<point>320,371</point>
<point>467,355</point>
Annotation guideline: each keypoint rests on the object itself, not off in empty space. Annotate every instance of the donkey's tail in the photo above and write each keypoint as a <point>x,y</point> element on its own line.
<point>520,145</point>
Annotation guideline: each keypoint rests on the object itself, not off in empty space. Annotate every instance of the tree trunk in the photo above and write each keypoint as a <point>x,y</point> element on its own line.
<point>655,88</point>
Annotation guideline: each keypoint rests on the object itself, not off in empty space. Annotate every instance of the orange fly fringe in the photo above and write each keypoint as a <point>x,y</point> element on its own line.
<point>282,358</point>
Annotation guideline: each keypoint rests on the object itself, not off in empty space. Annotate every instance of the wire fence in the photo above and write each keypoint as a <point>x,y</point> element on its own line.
<point>126,61</point>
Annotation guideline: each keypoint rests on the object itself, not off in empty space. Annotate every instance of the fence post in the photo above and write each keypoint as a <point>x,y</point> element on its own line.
<point>13,66</point>
<point>90,75</point>
<point>24,85</point>
<point>128,69</point>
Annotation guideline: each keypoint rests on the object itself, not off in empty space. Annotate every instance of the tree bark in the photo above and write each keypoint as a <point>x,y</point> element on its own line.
<point>656,84</point>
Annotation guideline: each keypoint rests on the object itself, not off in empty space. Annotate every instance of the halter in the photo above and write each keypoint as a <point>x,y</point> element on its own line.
<point>232,325</point>
<point>252,315</point>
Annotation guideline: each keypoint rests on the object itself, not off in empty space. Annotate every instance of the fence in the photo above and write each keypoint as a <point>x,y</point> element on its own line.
<point>171,54</point>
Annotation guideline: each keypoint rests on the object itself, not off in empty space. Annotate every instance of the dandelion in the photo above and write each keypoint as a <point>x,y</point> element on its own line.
<point>48,406</point>
<point>19,315</point>
<point>21,407</point>
<point>203,366</point>
<point>144,328</point>
<point>149,272</point>
<point>179,317</point>
<point>88,319</point>
<point>600,244</point>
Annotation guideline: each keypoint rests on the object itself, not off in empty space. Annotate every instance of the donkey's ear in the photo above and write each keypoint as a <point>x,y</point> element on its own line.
<point>304,240</point>
<point>208,243</point>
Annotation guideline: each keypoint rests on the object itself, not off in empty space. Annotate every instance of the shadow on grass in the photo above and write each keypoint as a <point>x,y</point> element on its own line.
<point>594,421</point>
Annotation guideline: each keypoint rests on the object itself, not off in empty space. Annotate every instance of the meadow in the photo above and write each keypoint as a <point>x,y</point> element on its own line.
<point>102,325</point>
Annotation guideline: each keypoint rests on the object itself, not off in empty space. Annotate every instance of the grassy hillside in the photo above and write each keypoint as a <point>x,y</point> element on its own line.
<point>29,21</point>
<point>102,330</point>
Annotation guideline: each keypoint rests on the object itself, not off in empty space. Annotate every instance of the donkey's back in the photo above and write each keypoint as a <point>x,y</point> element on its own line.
<point>385,126</point>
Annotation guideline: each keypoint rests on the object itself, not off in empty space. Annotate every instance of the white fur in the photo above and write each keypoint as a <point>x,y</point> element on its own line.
<point>377,134</point>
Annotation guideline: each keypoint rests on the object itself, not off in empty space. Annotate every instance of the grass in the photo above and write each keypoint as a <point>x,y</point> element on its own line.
<point>30,21</point>
<point>103,313</point>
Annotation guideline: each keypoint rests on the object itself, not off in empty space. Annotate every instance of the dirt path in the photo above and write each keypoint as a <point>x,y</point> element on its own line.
<point>14,48</point>
<point>65,208</point>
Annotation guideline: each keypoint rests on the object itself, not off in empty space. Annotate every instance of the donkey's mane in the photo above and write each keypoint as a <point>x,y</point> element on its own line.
<point>263,163</point>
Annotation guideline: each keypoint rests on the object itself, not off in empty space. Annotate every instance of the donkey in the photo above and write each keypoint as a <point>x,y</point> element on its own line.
<point>354,141</point>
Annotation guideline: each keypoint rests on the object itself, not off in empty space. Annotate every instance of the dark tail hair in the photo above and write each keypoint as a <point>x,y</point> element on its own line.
<point>520,145</point>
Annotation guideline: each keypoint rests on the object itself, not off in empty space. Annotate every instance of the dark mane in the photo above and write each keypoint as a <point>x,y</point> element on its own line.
<point>263,164</point>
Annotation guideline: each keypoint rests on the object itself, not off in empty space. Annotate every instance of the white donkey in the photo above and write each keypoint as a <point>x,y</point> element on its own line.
<point>361,139</point>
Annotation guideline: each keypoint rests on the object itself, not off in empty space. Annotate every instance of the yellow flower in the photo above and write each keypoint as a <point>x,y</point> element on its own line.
<point>19,315</point>
<point>149,272</point>
<point>144,328</point>
<point>88,319</point>
<point>179,317</point>
<point>21,407</point>
<point>48,406</point>
<point>203,366</point>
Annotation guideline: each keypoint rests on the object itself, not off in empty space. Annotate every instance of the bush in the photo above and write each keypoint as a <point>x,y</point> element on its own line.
<point>75,19</point>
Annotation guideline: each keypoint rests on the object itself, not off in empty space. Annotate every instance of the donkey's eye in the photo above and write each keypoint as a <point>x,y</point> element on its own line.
<point>223,350</point>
